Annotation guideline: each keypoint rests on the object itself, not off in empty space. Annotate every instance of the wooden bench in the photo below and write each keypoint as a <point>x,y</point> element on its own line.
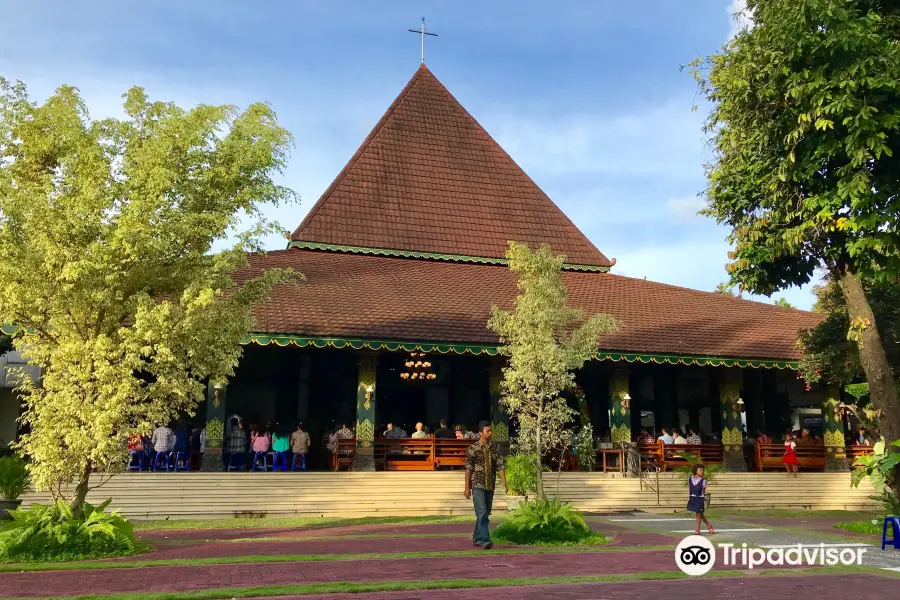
<point>855,451</point>
<point>405,454</point>
<point>666,456</point>
<point>810,456</point>
<point>343,458</point>
<point>450,452</point>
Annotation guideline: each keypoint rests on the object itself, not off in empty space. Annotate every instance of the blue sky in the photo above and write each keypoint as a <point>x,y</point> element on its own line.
<point>588,97</point>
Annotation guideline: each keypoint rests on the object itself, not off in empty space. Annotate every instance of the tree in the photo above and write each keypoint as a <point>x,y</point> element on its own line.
<point>806,128</point>
<point>725,289</point>
<point>784,303</point>
<point>830,356</point>
<point>545,342</point>
<point>106,231</point>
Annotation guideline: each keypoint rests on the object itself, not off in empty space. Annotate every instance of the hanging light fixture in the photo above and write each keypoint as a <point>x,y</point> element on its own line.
<point>418,369</point>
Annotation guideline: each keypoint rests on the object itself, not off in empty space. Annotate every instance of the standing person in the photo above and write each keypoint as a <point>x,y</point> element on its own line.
<point>790,455</point>
<point>697,500</point>
<point>483,463</point>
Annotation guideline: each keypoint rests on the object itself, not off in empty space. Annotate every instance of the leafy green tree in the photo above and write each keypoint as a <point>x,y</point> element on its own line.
<point>806,127</point>
<point>106,264</point>
<point>545,341</point>
<point>784,303</point>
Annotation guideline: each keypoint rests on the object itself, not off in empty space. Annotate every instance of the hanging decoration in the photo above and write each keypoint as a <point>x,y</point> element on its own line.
<point>418,369</point>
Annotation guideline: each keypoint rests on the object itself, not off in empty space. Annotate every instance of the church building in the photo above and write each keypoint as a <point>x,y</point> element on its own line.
<point>403,258</point>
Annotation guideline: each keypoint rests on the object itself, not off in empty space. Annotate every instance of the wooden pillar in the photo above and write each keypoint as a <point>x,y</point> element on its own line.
<point>620,406</point>
<point>833,420</point>
<point>215,427</point>
<point>732,437</point>
<point>499,418</point>
<point>367,368</point>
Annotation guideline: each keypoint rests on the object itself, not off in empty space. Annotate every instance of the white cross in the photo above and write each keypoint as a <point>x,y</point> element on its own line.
<point>421,31</point>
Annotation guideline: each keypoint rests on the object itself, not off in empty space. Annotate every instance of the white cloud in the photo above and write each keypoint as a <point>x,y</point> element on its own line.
<point>741,18</point>
<point>686,208</point>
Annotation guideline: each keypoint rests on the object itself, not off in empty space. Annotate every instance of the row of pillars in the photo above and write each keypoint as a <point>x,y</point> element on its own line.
<point>730,380</point>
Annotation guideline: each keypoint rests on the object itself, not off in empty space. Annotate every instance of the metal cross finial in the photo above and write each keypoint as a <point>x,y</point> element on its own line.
<point>421,31</point>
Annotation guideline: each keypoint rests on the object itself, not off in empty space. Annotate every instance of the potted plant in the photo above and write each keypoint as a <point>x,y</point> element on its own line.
<point>13,483</point>
<point>521,477</point>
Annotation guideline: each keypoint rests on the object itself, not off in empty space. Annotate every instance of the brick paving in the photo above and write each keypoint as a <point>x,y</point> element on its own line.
<point>822,587</point>
<point>183,578</point>
<point>351,546</point>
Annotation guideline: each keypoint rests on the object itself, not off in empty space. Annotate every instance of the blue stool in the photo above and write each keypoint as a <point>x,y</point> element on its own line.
<point>136,460</point>
<point>185,464</point>
<point>265,461</point>
<point>165,457</point>
<point>235,458</point>
<point>301,466</point>
<point>894,522</point>
<point>280,458</point>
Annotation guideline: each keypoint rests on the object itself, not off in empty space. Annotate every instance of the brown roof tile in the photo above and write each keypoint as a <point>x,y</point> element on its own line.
<point>359,296</point>
<point>429,178</point>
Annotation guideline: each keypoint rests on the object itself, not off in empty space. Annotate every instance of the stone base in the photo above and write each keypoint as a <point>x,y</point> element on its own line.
<point>364,459</point>
<point>733,461</point>
<point>212,460</point>
<point>836,462</point>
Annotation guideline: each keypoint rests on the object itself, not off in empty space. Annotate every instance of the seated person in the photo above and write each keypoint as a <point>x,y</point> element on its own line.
<point>665,437</point>
<point>443,432</point>
<point>678,438</point>
<point>394,432</point>
<point>459,433</point>
<point>419,433</point>
<point>693,437</point>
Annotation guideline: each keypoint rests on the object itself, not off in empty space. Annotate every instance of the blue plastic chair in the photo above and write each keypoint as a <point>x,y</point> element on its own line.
<point>235,458</point>
<point>136,460</point>
<point>894,522</point>
<point>301,466</point>
<point>165,458</point>
<point>184,457</point>
<point>280,458</point>
<point>265,461</point>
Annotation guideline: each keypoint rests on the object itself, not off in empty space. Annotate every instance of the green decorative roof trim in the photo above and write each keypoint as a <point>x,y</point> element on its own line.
<point>265,339</point>
<point>427,255</point>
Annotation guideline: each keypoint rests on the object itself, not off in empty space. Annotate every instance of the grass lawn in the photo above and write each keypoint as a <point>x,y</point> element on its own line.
<point>386,586</point>
<point>242,523</point>
<point>867,526</point>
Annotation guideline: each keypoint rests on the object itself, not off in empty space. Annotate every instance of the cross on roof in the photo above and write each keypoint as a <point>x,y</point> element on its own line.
<point>421,31</point>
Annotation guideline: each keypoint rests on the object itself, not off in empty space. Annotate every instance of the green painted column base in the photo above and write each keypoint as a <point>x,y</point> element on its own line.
<point>212,460</point>
<point>364,459</point>
<point>733,461</point>
<point>836,462</point>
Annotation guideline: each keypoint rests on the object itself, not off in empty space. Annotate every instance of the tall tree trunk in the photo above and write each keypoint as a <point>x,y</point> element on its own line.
<point>81,489</point>
<point>539,465</point>
<point>882,385</point>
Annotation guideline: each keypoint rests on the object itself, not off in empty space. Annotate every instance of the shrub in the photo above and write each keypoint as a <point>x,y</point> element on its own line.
<point>587,455</point>
<point>521,474</point>
<point>13,477</point>
<point>54,532</point>
<point>543,522</point>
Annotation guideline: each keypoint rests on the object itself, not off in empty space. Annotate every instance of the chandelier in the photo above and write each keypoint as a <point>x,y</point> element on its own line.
<point>418,368</point>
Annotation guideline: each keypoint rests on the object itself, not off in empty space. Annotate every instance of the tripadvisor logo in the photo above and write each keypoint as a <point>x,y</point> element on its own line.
<point>695,555</point>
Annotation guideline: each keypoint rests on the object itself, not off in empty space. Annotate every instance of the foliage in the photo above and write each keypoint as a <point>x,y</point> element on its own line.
<point>545,341</point>
<point>868,526</point>
<point>543,521</point>
<point>726,289</point>
<point>784,303</point>
<point>521,474</point>
<point>880,468</point>
<point>828,355</point>
<point>805,124</point>
<point>56,532</point>
<point>13,477</point>
<point>587,455</point>
<point>107,263</point>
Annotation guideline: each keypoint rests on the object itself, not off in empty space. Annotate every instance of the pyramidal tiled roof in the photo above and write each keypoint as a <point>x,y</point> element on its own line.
<point>430,179</point>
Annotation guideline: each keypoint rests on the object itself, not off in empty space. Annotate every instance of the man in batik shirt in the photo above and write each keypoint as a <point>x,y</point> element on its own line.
<point>483,463</point>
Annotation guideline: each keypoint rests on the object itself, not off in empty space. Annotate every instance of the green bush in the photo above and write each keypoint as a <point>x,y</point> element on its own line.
<point>543,522</point>
<point>521,474</point>
<point>13,477</point>
<point>54,532</point>
<point>868,527</point>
